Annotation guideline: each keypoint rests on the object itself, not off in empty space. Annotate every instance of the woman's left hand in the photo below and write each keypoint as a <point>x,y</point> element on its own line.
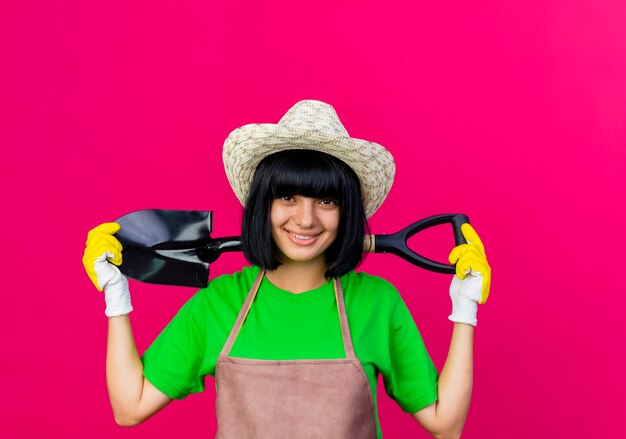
<point>470,286</point>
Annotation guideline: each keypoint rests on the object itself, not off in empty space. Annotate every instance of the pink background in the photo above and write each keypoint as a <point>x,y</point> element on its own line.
<point>512,112</point>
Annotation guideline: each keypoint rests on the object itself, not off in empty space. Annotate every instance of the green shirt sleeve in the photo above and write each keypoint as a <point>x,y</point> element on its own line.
<point>412,377</point>
<point>186,351</point>
<point>174,361</point>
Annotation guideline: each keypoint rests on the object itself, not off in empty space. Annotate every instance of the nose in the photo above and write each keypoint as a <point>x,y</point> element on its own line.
<point>305,212</point>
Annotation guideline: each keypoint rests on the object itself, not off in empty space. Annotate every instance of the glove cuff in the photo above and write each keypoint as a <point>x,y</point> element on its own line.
<point>117,298</point>
<point>464,311</point>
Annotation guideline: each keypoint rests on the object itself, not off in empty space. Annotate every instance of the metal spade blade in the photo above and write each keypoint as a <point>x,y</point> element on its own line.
<point>161,246</point>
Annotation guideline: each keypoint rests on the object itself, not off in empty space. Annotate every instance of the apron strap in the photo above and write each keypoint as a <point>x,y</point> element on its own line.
<point>343,320</point>
<point>243,313</point>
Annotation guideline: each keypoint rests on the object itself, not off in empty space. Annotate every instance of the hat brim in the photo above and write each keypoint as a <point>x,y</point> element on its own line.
<point>246,146</point>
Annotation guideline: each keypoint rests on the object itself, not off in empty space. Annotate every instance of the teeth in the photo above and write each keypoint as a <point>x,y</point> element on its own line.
<point>302,237</point>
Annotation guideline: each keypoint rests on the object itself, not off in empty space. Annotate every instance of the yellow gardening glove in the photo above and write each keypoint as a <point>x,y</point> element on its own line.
<point>102,253</point>
<point>470,286</point>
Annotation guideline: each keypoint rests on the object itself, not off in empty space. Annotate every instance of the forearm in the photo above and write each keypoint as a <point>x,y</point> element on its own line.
<point>455,381</point>
<point>446,417</point>
<point>124,370</point>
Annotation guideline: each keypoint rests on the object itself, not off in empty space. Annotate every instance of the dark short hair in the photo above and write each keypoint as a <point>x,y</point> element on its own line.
<point>310,174</point>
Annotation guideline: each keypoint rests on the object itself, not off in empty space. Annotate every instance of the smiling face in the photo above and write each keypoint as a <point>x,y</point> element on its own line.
<point>303,228</point>
<point>324,222</point>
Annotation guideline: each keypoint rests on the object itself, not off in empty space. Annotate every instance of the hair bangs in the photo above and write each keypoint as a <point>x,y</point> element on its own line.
<point>307,173</point>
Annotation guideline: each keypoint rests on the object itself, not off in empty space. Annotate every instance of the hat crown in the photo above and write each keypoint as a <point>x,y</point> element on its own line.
<point>315,116</point>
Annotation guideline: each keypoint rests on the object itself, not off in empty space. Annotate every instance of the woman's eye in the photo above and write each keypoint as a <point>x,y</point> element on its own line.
<point>329,202</point>
<point>286,198</point>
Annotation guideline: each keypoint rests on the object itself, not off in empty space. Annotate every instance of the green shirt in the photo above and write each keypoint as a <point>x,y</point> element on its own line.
<point>283,326</point>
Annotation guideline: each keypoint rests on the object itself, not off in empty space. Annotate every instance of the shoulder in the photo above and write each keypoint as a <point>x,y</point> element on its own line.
<point>368,282</point>
<point>366,289</point>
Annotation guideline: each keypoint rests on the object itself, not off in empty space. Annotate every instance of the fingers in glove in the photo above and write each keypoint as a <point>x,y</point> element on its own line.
<point>486,287</point>
<point>115,258</point>
<point>92,254</point>
<point>108,228</point>
<point>90,268</point>
<point>472,237</point>
<point>468,263</point>
<point>90,259</point>
<point>100,243</point>
<point>103,240</point>
<point>471,256</point>
<point>100,240</point>
<point>479,267</point>
<point>465,250</point>
<point>456,253</point>
<point>95,239</point>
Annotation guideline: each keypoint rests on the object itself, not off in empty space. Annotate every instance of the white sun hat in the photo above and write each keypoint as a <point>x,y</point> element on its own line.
<point>312,125</point>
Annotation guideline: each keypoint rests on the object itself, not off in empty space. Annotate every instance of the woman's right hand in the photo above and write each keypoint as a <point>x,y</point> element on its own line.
<point>470,286</point>
<point>102,253</point>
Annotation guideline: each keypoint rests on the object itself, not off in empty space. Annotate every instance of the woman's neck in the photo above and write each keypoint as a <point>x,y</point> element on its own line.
<point>298,278</point>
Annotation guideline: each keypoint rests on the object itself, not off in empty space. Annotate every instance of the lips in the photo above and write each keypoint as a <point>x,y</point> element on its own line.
<point>302,239</point>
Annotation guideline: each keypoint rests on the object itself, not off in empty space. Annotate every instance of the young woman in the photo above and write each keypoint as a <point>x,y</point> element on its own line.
<point>296,341</point>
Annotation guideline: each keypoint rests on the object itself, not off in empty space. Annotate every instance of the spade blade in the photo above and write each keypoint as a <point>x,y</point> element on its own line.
<point>162,246</point>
